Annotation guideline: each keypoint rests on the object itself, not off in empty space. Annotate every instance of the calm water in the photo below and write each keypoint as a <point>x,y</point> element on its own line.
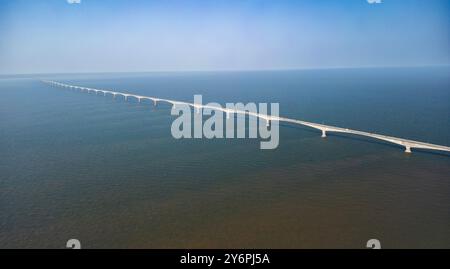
<point>109,173</point>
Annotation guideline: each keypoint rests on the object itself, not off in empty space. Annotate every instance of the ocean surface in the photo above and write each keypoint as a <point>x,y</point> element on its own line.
<point>109,173</point>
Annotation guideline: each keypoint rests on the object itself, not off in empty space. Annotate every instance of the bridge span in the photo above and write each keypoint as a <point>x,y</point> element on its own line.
<point>406,143</point>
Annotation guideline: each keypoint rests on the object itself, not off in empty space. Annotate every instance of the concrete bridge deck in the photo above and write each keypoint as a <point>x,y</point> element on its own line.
<point>406,143</point>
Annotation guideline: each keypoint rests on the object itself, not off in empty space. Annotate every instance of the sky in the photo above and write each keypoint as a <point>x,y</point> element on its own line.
<point>55,36</point>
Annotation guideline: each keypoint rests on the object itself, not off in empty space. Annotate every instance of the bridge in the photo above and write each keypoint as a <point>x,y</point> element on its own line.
<point>406,143</point>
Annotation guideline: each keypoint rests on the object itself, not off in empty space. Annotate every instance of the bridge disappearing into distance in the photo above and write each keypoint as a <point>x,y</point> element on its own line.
<point>406,143</point>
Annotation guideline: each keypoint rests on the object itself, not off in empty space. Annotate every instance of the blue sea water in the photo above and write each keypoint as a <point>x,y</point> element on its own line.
<point>109,172</point>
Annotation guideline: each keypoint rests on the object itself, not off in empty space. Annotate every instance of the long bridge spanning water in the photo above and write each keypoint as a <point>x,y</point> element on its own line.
<point>406,143</point>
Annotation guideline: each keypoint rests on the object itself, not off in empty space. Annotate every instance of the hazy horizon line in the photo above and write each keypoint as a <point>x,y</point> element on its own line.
<point>227,70</point>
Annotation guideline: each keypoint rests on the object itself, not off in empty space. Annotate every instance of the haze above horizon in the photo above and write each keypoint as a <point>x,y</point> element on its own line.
<point>145,36</point>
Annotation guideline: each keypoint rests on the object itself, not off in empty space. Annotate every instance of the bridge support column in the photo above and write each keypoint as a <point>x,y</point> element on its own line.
<point>154,102</point>
<point>267,123</point>
<point>407,149</point>
<point>198,110</point>
<point>324,134</point>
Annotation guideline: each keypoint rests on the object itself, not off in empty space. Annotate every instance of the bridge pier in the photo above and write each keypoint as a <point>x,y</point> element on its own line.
<point>324,134</point>
<point>267,123</point>
<point>407,149</point>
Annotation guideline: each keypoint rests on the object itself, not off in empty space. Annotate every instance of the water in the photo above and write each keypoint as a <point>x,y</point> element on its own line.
<point>109,173</point>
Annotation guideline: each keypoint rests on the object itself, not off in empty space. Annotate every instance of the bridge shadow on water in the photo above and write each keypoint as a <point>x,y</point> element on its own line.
<point>362,139</point>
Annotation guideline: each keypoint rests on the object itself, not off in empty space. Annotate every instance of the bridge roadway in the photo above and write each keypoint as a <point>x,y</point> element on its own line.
<point>406,143</point>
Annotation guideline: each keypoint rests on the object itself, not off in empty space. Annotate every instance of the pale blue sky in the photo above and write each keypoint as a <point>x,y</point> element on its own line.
<point>118,35</point>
